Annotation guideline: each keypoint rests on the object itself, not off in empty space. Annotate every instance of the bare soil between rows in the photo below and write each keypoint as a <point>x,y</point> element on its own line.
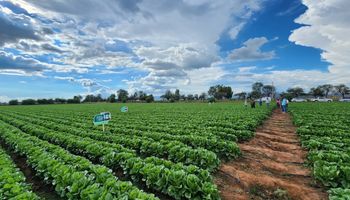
<point>272,166</point>
<point>39,187</point>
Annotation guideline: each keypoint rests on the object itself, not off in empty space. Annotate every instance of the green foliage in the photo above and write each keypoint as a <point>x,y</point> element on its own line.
<point>220,92</point>
<point>28,102</point>
<point>73,177</point>
<point>122,95</point>
<point>13,102</point>
<point>12,180</point>
<point>169,148</point>
<point>324,130</point>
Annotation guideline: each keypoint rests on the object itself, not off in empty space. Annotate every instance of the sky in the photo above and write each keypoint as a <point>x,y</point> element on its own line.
<point>62,48</point>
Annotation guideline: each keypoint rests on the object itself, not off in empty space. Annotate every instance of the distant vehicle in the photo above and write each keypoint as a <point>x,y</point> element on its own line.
<point>344,100</point>
<point>318,99</point>
<point>298,100</point>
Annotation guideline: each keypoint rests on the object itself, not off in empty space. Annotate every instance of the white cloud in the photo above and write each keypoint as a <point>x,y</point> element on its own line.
<point>4,99</point>
<point>167,39</point>
<point>328,29</point>
<point>235,30</point>
<point>17,64</point>
<point>195,81</point>
<point>246,69</point>
<point>251,51</point>
<point>91,86</point>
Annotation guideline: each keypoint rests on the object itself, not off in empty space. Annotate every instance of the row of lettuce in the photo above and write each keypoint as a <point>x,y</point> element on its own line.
<point>176,163</point>
<point>12,180</point>
<point>324,130</point>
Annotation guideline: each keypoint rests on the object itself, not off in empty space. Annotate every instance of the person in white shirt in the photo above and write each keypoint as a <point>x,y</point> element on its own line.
<point>268,100</point>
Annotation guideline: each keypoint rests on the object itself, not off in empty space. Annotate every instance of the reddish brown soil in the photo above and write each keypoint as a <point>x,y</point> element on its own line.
<point>272,166</point>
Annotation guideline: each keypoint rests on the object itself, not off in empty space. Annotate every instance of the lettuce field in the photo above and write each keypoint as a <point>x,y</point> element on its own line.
<point>154,151</point>
<point>324,129</point>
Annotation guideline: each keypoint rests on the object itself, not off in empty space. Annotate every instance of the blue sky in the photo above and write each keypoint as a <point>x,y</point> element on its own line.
<point>62,48</point>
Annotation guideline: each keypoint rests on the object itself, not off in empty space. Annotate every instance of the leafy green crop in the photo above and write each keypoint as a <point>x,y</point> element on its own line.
<point>324,130</point>
<point>168,148</point>
<point>12,180</point>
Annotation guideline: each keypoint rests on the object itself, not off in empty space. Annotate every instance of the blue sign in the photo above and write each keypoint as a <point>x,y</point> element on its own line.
<point>102,118</point>
<point>124,109</point>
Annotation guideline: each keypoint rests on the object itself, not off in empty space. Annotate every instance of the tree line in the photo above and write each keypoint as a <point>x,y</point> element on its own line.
<point>216,92</point>
<point>260,90</point>
<point>121,96</point>
<point>320,91</point>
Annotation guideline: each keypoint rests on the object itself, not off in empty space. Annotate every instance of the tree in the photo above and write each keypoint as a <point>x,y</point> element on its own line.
<point>317,92</point>
<point>99,98</point>
<point>168,95</point>
<point>42,101</point>
<point>190,97</point>
<point>296,91</point>
<point>342,89</point>
<point>50,101</point>
<point>149,98</point>
<point>255,94</point>
<point>112,98</point>
<point>122,95</point>
<point>202,96</point>
<point>241,95</point>
<point>287,95</point>
<point>177,95</point>
<point>257,89</point>
<point>76,99</point>
<point>182,97</point>
<point>220,92</point>
<point>13,102</point>
<point>141,95</point>
<point>268,90</point>
<point>59,100</point>
<point>28,102</point>
<point>326,89</point>
<point>90,98</point>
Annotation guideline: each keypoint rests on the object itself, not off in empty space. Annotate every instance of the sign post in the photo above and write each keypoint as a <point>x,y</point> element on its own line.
<point>124,109</point>
<point>102,119</point>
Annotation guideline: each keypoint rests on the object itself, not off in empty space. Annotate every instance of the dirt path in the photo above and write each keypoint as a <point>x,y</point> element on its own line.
<point>272,166</point>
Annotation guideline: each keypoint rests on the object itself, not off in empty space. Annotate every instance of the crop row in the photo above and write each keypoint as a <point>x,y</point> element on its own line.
<point>12,181</point>
<point>173,150</point>
<point>325,132</point>
<point>238,123</point>
<point>73,177</point>
<point>158,174</point>
<point>223,149</point>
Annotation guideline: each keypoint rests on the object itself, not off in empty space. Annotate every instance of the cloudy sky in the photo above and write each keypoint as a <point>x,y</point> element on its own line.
<point>60,48</point>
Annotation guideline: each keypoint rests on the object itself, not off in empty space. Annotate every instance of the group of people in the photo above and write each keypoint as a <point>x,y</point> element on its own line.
<point>281,103</point>
<point>252,102</point>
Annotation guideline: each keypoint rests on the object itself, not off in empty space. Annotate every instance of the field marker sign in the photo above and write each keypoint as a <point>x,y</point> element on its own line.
<point>102,118</point>
<point>124,109</point>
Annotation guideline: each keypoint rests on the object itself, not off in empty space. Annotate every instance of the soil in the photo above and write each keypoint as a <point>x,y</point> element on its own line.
<point>272,166</point>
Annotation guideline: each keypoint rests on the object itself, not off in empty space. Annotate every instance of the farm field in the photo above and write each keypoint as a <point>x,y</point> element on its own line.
<point>154,151</point>
<point>324,129</point>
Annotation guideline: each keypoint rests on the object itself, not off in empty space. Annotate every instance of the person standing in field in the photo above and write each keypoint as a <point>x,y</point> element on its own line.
<point>245,102</point>
<point>260,102</point>
<point>278,102</point>
<point>268,100</point>
<point>252,103</point>
<point>284,104</point>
